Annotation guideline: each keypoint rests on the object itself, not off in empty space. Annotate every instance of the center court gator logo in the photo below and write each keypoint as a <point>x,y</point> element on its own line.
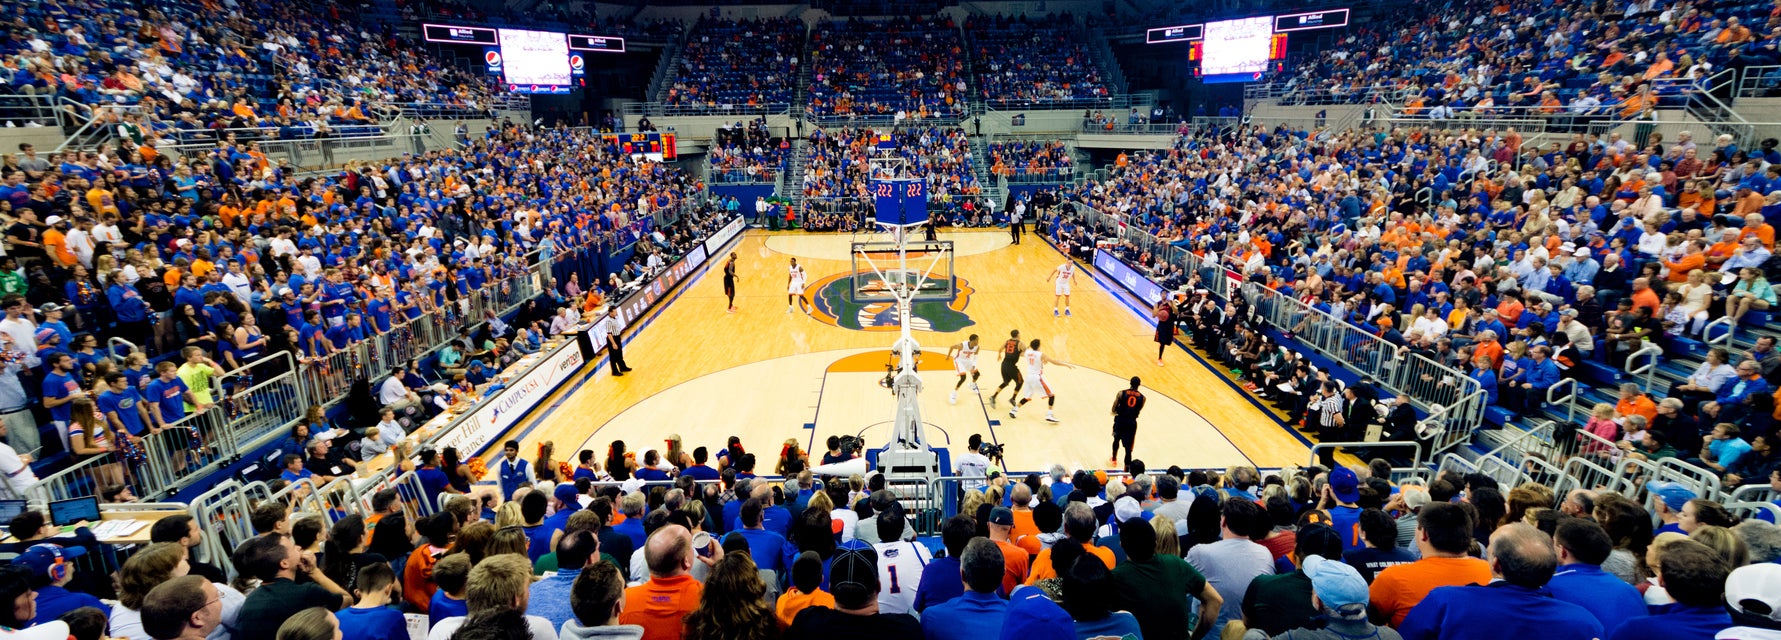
<point>834,308</point>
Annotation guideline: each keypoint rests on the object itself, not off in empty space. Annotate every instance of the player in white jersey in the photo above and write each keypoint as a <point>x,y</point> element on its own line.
<point>794,291</point>
<point>964,360</point>
<point>1037,385</point>
<point>1062,277</point>
<point>900,564</point>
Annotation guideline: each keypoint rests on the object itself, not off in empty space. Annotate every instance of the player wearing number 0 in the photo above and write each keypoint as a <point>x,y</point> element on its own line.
<point>1036,361</point>
<point>964,359</point>
<point>1126,406</point>
<point>1011,352</point>
<point>794,292</point>
<point>1062,277</point>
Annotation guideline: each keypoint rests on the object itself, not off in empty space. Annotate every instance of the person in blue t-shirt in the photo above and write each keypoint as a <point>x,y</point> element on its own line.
<point>123,407</point>
<point>293,468</point>
<point>433,481</point>
<point>1343,490</point>
<point>450,574</point>
<point>167,395</point>
<point>372,617</point>
<point>61,388</point>
<point>1582,548</point>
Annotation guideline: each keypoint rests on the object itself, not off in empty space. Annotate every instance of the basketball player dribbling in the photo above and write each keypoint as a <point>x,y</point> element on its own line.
<point>1011,351</point>
<point>964,360</point>
<point>1035,361</point>
<point>730,281</point>
<point>1063,276</point>
<point>1165,328</point>
<point>794,292</point>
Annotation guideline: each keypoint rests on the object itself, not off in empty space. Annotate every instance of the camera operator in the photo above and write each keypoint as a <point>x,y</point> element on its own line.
<point>837,453</point>
<point>972,464</point>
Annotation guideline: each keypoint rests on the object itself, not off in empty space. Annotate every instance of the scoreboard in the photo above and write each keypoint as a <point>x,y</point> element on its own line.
<point>654,145</point>
<point>1241,49</point>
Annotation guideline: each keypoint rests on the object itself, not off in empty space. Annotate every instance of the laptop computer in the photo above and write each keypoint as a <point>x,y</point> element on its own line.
<point>10,509</point>
<point>66,512</point>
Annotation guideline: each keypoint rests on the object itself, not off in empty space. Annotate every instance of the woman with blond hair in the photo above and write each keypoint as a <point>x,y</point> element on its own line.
<point>153,565</point>
<point>90,435</point>
<point>733,605</point>
<point>1168,543</point>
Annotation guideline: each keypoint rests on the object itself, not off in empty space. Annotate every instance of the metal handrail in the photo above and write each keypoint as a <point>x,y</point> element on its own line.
<point>1724,338</point>
<point>1570,399</point>
<point>1649,369</point>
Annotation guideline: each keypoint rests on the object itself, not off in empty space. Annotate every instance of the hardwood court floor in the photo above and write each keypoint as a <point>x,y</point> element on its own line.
<point>763,374</point>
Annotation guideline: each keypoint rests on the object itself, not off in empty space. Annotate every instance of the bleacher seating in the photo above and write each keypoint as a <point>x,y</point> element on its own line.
<point>1030,60</point>
<point>738,63</point>
<point>876,68</point>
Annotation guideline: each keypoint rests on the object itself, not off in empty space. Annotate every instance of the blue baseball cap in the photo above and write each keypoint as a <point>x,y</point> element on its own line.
<point>1672,494</point>
<point>39,558</point>
<point>566,494</point>
<point>1345,484</point>
<point>1335,583</point>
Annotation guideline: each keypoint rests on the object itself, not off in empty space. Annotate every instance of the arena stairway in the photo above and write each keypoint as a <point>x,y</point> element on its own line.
<point>1599,383</point>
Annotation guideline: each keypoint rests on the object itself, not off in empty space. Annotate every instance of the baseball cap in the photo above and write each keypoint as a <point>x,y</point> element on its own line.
<point>992,474</point>
<point>1582,252</point>
<point>1032,616</point>
<point>50,307</point>
<point>1338,585</point>
<point>1126,508</point>
<point>41,557</point>
<point>1415,497</point>
<point>1003,516</point>
<point>43,335</point>
<point>1755,590</point>
<point>1345,484</point>
<point>853,577</point>
<point>1673,495</point>
<point>566,494</point>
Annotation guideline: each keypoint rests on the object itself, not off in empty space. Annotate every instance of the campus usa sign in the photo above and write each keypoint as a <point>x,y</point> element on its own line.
<point>1127,277</point>
<point>473,435</point>
<point>723,236</point>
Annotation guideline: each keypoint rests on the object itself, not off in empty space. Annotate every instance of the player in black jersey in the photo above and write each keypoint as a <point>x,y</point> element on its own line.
<point>1011,351</point>
<point>1126,405</point>
<point>730,281</point>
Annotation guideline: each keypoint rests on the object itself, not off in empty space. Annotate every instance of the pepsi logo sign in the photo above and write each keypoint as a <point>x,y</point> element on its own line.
<point>493,58</point>
<point>576,62</point>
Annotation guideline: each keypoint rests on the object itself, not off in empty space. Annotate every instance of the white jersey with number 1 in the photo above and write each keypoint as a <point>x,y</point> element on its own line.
<point>1063,275</point>
<point>900,565</point>
<point>796,287</point>
<point>1037,387</point>
<point>966,360</point>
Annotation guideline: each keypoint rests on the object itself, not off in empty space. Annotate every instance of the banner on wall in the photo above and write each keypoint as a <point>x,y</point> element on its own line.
<point>1127,277</point>
<point>492,58</point>
<point>723,236</point>
<point>519,398</point>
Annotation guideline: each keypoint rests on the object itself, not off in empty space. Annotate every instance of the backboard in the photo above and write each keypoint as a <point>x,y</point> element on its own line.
<point>877,276</point>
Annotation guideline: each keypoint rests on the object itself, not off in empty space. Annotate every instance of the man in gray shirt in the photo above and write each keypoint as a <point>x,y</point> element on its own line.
<point>1236,559</point>
<point>35,167</point>
<point>1171,504</point>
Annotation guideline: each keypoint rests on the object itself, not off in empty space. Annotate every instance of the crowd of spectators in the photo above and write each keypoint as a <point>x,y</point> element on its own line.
<point>1519,278</point>
<point>838,161</point>
<point>748,153</point>
<point>680,544</point>
<point>729,64</point>
<point>1031,159</point>
<point>206,267</point>
<point>1026,59</point>
<point>906,68</point>
<point>168,73</point>
<point>1528,58</point>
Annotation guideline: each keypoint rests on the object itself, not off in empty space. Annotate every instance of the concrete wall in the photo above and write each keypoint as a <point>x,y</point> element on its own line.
<point>1271,114</point>
<point>704,128</point>
<point>1113,141</point>
<point>44,138</point>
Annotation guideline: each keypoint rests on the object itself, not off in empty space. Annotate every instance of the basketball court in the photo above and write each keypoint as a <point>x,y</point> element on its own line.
<point>769,376</point>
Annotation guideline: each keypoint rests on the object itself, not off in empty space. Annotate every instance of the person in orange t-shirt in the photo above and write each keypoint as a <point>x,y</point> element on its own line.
<point>1634,402</point>
<point>660,605</point>
<point>1444,535</point>
<point>1081,529</point>
<point>806,590</point>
